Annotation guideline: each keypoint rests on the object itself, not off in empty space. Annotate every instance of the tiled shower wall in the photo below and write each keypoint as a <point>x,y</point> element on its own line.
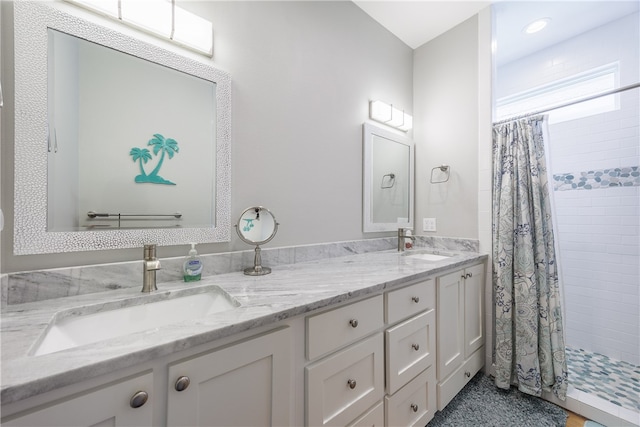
<point>599,220</point>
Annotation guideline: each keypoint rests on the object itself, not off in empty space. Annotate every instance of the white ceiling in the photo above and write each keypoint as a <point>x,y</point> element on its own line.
<point>419,21</point>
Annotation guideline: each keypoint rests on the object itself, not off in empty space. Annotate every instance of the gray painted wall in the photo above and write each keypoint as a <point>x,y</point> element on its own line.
<point>303,73</point>
<point>446,130</point>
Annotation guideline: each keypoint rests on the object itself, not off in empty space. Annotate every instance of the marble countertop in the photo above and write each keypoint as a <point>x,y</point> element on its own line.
<point>290,290</point>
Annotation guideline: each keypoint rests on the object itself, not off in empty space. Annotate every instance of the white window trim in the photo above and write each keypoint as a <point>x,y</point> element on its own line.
<point>524,102</point>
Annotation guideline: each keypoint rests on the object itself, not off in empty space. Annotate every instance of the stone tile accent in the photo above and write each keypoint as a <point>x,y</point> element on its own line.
<point>609,379</point>
<point>603,178</point>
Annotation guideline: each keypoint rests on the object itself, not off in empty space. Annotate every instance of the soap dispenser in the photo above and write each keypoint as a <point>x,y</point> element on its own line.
<point>192,267</point>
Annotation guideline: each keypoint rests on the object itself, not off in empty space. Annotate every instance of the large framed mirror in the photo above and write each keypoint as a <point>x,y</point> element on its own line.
<point>388,180</point>
<point>118,142</point>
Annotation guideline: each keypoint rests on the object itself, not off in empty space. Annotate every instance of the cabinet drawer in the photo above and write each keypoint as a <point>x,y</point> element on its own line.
<point>374,417</point>
<point>410,349</point>
<point>406,302</point>
<point>449,388</point>
<point>333,329</point>
<point>343,385</point>
<point>415,403</point>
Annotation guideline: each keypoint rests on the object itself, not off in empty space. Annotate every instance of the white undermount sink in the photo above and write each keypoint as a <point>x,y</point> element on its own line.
<point>427,256</point>
<point>90,324</point>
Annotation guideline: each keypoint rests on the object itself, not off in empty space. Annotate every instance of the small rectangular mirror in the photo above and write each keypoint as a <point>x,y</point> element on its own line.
<point>388,180</point>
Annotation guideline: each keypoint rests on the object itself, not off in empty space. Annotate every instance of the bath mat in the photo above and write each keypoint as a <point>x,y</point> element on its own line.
<point>481,403</point>
<point>592,424</point>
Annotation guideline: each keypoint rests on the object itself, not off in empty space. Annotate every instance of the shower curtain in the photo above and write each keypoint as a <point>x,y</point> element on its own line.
<point>529,341</point>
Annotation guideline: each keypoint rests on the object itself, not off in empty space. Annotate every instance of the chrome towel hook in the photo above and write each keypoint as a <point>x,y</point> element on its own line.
<point>443,168</point>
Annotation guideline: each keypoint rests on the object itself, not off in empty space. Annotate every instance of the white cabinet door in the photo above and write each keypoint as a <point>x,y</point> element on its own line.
<point>473,309</point>
<point>111,405</point>
<point>244,384</point>
<point>460,330</point>
<point>450,312</point>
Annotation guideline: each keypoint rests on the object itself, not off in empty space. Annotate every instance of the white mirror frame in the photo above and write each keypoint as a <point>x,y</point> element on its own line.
<point>31,20</point>
<point>368,132</point>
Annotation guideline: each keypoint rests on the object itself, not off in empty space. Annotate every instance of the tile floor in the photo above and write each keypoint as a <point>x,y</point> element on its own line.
<point>615,381</point>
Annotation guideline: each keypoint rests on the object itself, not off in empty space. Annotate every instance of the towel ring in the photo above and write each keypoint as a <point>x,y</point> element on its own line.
<point>443,168</point>
<point>391,181</point>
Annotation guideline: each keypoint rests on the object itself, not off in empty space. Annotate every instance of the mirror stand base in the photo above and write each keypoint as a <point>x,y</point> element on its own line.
<point>257,269</point>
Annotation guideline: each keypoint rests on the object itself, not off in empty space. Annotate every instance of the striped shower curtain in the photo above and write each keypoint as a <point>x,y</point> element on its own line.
<point>529,341</point>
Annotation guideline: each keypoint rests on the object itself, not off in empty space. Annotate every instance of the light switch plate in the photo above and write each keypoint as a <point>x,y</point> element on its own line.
<point>428,224</point>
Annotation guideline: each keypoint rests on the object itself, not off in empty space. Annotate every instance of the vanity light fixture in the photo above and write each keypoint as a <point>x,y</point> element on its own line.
<point>389,115</point>
<point>160,18</point>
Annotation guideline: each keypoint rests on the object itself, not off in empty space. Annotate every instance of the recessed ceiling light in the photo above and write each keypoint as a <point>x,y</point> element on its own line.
<point>536,25</point>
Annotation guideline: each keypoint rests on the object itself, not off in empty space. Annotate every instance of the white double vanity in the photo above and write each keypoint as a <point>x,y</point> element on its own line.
<point>379,338</point>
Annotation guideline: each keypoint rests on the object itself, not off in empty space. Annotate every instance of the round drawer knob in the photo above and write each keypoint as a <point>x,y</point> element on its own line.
<point>414,407</point>
<point>182,383</point>
<point>139,399</point>
<point>351,384</point>
<point>415,299</point>
<point>416,347</point>
<point>353,323</point>
<point>467,374</point>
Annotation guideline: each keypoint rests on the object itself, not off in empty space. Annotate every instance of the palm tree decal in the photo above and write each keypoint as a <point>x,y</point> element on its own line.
<point>162,145</point>
<point>141,155</point>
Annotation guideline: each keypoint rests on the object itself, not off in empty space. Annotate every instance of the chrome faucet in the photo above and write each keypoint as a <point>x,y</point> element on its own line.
<point>401,238</point>
<point>150,265</point>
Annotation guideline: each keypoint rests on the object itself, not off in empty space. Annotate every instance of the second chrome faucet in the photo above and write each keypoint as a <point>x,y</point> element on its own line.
<point>402,235</point>
<point>151,265</point>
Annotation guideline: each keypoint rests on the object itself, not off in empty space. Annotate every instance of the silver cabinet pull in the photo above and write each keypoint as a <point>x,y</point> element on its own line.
<point>467,374</point>
<point>469,275</point>
<point>182,383</point>
<point>416,347</point>
<point>353,323</point>
<point>139,399</point>
<point>463,277</point>
<point>415,299</point>
<point>414,407</point>
<point>351,384</point>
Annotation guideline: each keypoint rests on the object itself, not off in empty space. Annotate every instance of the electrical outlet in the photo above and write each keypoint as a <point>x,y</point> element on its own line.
<point>428,224</point>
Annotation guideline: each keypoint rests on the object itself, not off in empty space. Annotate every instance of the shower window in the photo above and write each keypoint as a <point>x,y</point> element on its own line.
<point>563,91</point>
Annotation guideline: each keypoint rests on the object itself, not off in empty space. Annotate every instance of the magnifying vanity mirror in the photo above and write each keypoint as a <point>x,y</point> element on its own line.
<point>109,130</point>
<point>388,180</point>
<point>257,226</point>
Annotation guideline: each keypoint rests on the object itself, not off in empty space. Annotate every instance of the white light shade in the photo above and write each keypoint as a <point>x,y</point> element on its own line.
<point>154,16</point>
<point>389,115</point>
<point>379,111</point>
<point>408,123</point>
<point>108,7</point>
<point>159,17</point>
<point>537,25</point>
<point>193,31</point>
<point>397,118</point>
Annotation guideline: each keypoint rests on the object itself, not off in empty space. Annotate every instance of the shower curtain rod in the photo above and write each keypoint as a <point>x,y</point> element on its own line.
<point>588,98</point>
